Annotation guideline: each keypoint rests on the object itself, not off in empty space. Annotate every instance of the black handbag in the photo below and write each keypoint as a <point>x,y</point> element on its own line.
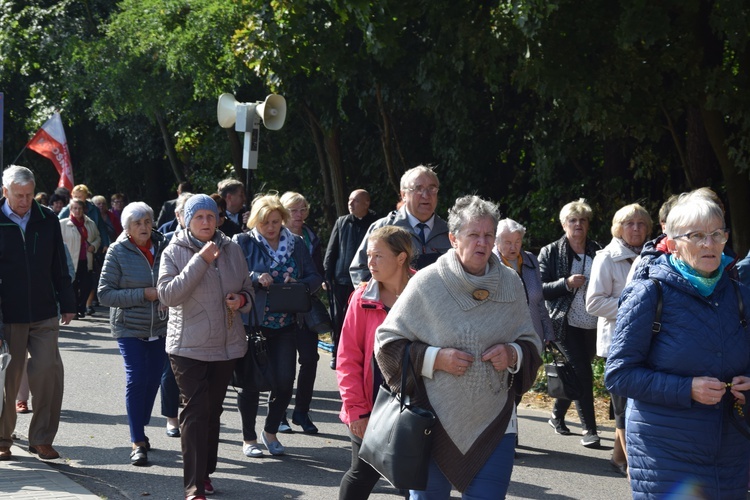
<point>253,373</point>
<point>562,382</point>
<point>398,439</point>
<point>288,298</point>
<point>318,320</point>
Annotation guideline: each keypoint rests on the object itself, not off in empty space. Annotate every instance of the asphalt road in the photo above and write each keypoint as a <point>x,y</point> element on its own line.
<point>94,442</point>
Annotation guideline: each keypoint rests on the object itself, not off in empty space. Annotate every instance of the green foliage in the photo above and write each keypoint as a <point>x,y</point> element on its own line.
<point>531,103</point>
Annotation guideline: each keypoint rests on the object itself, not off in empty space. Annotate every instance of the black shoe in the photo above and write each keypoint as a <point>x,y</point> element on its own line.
<point>303,420</point>
<point>90,310</point>
<point>138,456</point>
<point>80,315</point>
<point>284,426</point>
<point>148,444</point>
<point>590,439</point>
<point>559,425</point>
<point>333,364</point>
<point>173,432</point>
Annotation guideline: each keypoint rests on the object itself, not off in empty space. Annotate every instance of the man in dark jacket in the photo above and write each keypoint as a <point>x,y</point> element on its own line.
<point>346,237</point>
<point>35,280</point>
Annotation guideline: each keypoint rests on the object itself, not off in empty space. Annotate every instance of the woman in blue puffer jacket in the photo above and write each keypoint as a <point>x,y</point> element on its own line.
<point>684,382</point>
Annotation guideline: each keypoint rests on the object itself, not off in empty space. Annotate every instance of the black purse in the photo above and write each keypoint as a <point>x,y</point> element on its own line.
<point>288,298</point>
<point>398,439</point>
<point>253,373</point>
<point>318,320</point>
<point>562,382</point>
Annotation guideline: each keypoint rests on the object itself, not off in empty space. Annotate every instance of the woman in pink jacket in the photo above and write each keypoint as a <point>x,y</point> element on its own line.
<point>389,253</point>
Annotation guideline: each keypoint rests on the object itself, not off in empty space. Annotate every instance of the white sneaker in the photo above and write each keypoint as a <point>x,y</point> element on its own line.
<point>252,450</point>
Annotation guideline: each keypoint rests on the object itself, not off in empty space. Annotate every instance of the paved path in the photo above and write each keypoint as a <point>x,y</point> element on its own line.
<point>94,443</point>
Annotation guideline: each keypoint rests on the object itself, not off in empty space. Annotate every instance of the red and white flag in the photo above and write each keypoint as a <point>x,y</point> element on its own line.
<point>51,143</point>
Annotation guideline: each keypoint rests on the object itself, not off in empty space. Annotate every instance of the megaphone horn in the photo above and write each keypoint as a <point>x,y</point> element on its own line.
<point>226,110</point>
<point>272,111</point>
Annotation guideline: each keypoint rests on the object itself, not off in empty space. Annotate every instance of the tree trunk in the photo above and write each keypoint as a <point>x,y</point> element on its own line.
<point>700,161</point>
<point>235,149</point>
<point>317,136</point>
<point>385,139</point>
<point>737,183</point>
<point>169,147</point>
<point>332,143</point>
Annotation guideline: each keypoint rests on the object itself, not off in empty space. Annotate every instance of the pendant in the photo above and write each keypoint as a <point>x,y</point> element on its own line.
<point>480,294</point>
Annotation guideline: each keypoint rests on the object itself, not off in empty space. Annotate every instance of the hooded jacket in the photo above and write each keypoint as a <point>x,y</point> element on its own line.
<point>199,322</point>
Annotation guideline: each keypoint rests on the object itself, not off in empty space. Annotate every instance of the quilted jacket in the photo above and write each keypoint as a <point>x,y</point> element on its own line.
<point>676,445</point>
<point>199,325</point>
<point>125,274</point>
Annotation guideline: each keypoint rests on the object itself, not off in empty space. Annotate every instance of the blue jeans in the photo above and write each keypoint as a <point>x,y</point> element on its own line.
<point>144,362</point>
<point>491,482</point>
<point>282,352</point>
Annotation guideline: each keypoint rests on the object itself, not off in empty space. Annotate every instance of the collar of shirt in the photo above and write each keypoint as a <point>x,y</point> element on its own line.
<point>413,221</point>
<point>20,220</point>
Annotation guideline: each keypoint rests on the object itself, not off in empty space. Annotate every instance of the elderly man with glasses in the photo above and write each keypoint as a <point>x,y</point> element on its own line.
<point>419,188</point>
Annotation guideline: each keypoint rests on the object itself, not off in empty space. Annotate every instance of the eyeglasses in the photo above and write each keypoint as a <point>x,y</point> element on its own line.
<point>421,190</point>
<point>720,236</point>
<point>299,210</point>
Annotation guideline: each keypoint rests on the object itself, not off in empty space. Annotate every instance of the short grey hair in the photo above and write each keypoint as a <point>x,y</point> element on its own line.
<point>510,226</point>
<point>179,206</point>
<point>133,212</point>
<point>416,172</point>
<point>16,174</point>
<point>690,209</point>
<point>469,208</point>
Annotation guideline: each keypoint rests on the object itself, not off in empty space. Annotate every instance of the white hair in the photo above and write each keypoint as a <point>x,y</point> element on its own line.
<point>510,226</point>
<point>135,211</point>
<point>16,174</point>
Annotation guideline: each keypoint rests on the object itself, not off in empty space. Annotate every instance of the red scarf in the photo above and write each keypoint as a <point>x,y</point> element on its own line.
<point>146,251</point>
<point>81,226</point>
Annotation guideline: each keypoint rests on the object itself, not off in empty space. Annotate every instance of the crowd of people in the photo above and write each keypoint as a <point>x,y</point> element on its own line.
<point>186,289</point>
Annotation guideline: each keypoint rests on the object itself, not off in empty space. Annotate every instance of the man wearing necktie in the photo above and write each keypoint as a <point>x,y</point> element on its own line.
<point>419,188</point>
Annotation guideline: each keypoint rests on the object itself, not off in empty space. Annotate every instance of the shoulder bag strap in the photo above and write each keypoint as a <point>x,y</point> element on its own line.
<point>656,325</point>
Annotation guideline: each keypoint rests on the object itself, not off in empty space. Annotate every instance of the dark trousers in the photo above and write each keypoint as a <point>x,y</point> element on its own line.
<point>144,361</point>
<point>579,347</point>
<point>306,342</point>
<point>203,385</point>
<point>341,294</point>
<point>360,479</point>
<point>170,393</point>
<point>281,356</point>
<point>82,285</point>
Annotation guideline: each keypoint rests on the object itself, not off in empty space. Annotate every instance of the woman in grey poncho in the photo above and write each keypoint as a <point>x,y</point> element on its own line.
<point>475,347</point>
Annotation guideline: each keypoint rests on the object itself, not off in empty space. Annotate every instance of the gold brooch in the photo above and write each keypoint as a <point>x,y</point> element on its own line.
<point>480,294</point>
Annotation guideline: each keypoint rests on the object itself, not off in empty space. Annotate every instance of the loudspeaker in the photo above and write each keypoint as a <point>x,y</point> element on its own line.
<point>226,110</point>
<point>272,112</point>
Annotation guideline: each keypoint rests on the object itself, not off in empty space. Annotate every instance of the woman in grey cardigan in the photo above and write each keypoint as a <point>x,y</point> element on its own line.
<point>473,343</point>
<point>128,286</point>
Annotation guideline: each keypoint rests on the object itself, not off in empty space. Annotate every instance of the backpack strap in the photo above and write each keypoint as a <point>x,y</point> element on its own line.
<point>656,325</point>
